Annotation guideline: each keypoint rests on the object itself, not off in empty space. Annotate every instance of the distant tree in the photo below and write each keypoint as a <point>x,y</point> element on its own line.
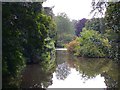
<point>65,29</point>
<point>79,26</point>
<point>48,11</point>
<point>64,24</point>
<point>74,22</point>
<point>97,24</point>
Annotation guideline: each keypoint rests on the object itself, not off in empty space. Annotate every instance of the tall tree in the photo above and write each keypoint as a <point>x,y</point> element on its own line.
<point>79,26</point>
<point>65,29</point>
<point>112,17</point>
<point>97,24</point>
<point>25,33</point>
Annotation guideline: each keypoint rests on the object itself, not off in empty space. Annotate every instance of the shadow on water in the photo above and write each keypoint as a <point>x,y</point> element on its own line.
<point>70,71</point>
<point>38,75</point>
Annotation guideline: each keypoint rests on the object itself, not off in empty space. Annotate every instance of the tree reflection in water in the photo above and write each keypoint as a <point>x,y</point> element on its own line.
<point>112,76</point>
<point>88,68</point>
<point>62,71</point>
<point>38,76</point>
<point>91,67</point>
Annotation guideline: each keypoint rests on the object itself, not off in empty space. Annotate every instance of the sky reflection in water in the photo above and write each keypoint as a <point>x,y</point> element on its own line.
<point>75,80</point>
<point>68,71</point>
<point>73,72</point>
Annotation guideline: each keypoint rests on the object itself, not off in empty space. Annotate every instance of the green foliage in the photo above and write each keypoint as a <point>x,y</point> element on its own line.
<point>112,17</point>
<point>72,45</point>
<point>49,49</point>
<point>112,36</point>
<point>92,44</point>
<point>13,59</point>
<point>97,24</point>
<point>112,23</point>
<point>26,37</point>
<point>65,29</point>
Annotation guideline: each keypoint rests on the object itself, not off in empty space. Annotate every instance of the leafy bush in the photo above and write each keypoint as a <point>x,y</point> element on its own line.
<point>112,36</point>
<point>91,44</point>
<point>71,46</point>
<point>28,34</point>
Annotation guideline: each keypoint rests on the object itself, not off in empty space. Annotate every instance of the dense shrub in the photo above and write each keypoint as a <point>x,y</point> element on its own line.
<point>71,46</point>
<point>28,37</point>
<point>91,44</point>
<point>112,37</point>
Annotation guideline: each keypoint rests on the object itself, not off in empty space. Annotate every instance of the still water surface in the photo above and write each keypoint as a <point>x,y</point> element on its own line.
<point>68,71</point>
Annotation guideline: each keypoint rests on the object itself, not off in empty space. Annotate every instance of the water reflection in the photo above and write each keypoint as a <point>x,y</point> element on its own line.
<point>38,76</point>
<point>90,72</point>
<point>75,80</point>
<point>62,71</point>
<point>112,76</point>
<point>91,67</point>
<point>69,71</point>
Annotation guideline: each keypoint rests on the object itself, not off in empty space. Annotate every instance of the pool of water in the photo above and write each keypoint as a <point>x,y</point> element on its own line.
<point>68,71</point>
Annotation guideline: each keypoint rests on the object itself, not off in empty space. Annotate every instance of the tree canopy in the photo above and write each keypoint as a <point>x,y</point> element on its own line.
<point>28,37</point>
<point>79,26</point>
<point>65,29</point>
